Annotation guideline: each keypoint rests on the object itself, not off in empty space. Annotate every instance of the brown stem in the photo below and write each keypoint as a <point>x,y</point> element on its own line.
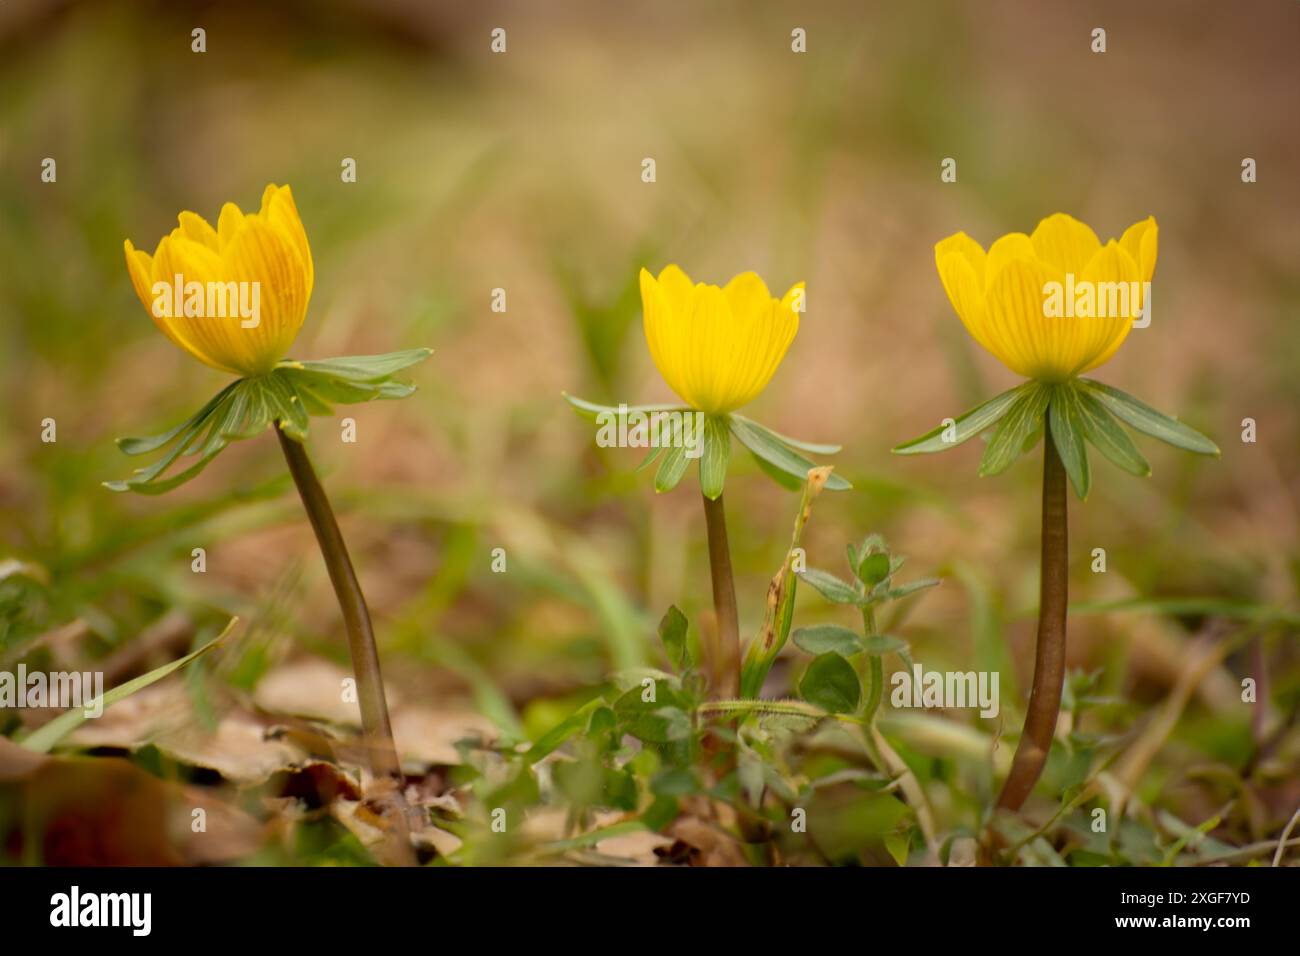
<point>375,725</point>
<point>726,671</point>
<point>1049,660</point>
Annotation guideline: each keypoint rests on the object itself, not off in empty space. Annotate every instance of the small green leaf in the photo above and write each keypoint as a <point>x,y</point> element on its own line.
<point>662,721</point>
<point>361,368</point>
<point>1067,439</point>
<point>290,393</point>
<point>878,645</point>
<point>591,410</point>
<point>766,445</point>
<point>651,457</point>
<point>571,726</point>
<point>1010,440</point>
<point>874,568</point>
<point>286,407</point>
<point>672,467</point>
<point>1142,417</point>
<point>824,638</point>
<point>1100,428</point>
<point>897,844</point>
<point>672,632</point>
<point>717,450</point>
<point>813,448</point>
<point>831,684</point>
<point>963,428</point>
<point>780,476</point>
<point>903,590</point>
<point>142,446</point>
<point>830,587</point>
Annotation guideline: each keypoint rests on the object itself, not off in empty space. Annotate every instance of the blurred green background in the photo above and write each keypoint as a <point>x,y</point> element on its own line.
<point>522,171</point>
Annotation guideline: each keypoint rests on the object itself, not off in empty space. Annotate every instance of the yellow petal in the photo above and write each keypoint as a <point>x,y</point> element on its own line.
<point>281,212</point>
<point>196,228</point>
<point>139,266</point>
<point>1021,336</point>
<point>968,248</point>
<point>965,291</point>
<point>1014,245</point>
<point>192,262</point>
<point>1115,277</point>
<point>254,275</point>
<point>260,253</point>
<point>1064,242</point>
<point>1139,241</point>
<point>663,335</point>
<point>717,348</point>
<point>677,287</point>
<point>228,223</point>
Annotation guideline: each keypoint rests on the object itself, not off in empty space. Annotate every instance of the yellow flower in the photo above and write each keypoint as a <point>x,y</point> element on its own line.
<point>234,297</point>
<point>1054,304</point>
<point>717,348</point>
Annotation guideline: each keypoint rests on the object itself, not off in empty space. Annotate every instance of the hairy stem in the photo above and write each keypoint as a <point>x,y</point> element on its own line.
<point>726,663</point>
<point>356,617</point>
<point>1049,659</point>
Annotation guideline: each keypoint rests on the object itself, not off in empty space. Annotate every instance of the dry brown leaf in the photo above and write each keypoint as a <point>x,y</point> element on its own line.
<point>103,811</point>
<point>428,735</point>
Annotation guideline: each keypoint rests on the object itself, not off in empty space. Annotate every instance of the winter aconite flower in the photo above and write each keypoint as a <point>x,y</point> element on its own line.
<point>1052,304</point>
<point>717,348</point>
<point>234,297</point>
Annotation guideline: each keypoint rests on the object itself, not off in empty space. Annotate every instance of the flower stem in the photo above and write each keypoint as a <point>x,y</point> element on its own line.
<point>726,664</point>
<point>1049,659</point>
<point>876,669</point>
<point>375,725</point>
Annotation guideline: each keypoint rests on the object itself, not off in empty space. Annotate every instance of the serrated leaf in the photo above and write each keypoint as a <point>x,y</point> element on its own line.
<point>1142,417</point>
<point>767,446</point>
<point>829,586</point>
<point>1018,425</point>
<point>717,451</point>
<point>963,428</point>
<point>1101,429</point>
<point>825,638</point>
<point>831,684</point>
<point>1067,439</point>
